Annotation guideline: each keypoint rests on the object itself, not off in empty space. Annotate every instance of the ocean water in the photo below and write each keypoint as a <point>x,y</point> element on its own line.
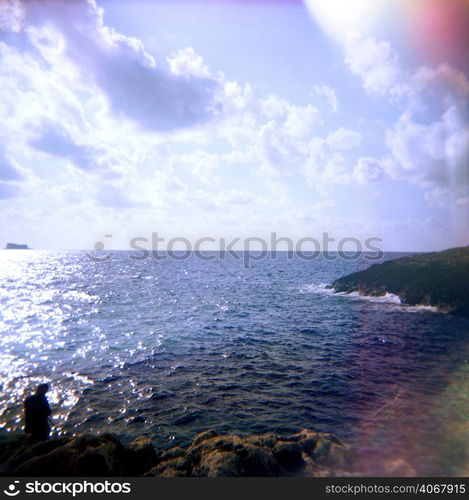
<point>167,348</point>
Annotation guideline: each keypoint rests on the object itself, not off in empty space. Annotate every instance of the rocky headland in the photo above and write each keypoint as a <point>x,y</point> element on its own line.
<point>437,279</point>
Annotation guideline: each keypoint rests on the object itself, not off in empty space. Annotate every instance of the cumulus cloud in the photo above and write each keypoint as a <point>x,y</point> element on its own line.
<point>203,166</point>
<point>343,139</point>
<point>54,139</point>
<point>112,196</point>
<point>326,164</point>
<point>287,140</point>
<point>429,143</point>
<point>10,177</point>
<point>295,121</point>
<point>329,94</point>
<point>187,62</point>
<point>273,107</point>
<point>90,97</point>
<point>434,152</point>
<point>276,148</point>
<point>301,120</point>
<point>134,84</point>
<point>8,190</point>
<point>368,170</point>
<point>11,15</point>
<point>375,62</point>
<point>433,155</point>
<point>8,172</point>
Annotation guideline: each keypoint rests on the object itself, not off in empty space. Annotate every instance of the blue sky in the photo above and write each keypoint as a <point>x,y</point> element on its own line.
<point>229,119</point>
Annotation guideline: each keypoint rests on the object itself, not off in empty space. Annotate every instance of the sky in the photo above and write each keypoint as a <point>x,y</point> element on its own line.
<point>234,119</point>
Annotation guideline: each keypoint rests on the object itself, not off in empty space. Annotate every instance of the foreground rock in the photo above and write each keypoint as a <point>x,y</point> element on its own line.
<point>306,453</point>
<point>438,279</point>
<point>87,455</point>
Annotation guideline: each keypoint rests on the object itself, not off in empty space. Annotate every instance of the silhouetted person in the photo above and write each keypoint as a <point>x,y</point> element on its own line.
<point>36,414</point>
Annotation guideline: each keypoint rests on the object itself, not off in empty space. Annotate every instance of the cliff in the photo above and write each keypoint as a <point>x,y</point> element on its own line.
<point>438,279</point>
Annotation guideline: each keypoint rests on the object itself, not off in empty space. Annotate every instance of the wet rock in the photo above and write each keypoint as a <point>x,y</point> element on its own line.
<point>15,449</point>
<point>142,455</point>
<point>288,454</point>
<point>83,456</point>
<point>203,436</point>
<point>218,463</point>
<point>178,466</point>
<point>87,455</point>
<point>307,453</point>
<point>175,452</point>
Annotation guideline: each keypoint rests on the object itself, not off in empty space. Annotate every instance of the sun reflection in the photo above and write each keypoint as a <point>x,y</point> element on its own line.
<point>34,320</point>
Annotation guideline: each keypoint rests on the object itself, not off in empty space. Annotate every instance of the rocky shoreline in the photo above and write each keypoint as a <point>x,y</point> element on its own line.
<point>307,453</point>
<point>437,279</point>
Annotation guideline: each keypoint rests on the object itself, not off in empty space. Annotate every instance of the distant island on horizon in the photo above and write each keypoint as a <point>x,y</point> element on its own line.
<point>16,246</point>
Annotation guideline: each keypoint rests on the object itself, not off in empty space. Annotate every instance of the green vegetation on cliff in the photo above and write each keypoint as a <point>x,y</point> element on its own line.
<point>438,279</point>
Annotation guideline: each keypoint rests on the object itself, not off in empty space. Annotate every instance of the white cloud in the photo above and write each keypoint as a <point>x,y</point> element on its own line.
<point>295,121</point>
<point>326,165</point>
<point>301,120</point>
<point>11,15</point>
<point>429,143</point>
<point>368,170</point>
<point>273,107</point>
<point>235,97</point>
<point>375,62</point>
<point>335,171</point>
<point>187,62</point>
<point>8,171</point>
<point>8,190</point>
<point>54,139</point>
<point>343,139</point>
<point>109,195</point>
<point>202,166</point>
<point>156,98</point>
<point>329,94</point>
<point>64,96</point>
<point>434,155</point>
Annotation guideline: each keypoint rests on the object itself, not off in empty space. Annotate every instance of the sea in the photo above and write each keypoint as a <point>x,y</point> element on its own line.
<point>167,348</point>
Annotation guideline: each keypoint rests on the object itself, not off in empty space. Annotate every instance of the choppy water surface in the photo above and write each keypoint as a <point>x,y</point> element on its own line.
<point>169,348</point>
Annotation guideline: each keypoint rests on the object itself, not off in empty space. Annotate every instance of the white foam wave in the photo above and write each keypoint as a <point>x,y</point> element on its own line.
<point>387,298</point>
<point>320,288</point>
<point>421,307</point>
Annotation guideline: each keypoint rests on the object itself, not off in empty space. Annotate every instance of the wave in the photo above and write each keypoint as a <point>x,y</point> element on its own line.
<point>387,298</point>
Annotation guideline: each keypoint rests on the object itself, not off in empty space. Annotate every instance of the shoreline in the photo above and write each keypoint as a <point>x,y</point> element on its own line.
<point>305,454</point>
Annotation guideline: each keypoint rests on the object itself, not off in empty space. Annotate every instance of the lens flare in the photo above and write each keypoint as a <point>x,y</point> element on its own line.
<point>439,30</point>
<point>338,17</point>
<point>435,30</point>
